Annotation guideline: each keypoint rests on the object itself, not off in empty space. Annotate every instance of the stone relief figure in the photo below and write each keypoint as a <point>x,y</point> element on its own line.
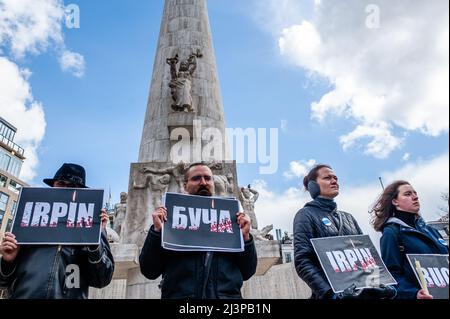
<point>181,81</point>
<point>223,185</point>
<point>216,166</point>
<point>158,183</point>
<point>248,197</point>
<point>177,171</point>
<point>119,212</point>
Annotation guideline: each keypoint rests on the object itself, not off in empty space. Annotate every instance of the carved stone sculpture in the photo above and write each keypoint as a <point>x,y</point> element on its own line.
<point>119,213</point>
<point>181,81</point>
<point>158,183</point>
<point>262,234</point>
<point>223,185</point>
<point>248,197</point>
<point>177,171</point>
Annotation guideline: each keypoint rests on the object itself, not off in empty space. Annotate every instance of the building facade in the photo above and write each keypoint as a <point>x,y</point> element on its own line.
<point>441,225</point>
<point>11,160</point>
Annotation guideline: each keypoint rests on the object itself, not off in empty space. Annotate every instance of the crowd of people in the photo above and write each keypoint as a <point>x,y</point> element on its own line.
<point>39,271</point>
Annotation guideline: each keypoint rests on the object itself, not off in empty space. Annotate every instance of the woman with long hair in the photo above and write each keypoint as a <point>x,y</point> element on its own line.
<point>396,214</point>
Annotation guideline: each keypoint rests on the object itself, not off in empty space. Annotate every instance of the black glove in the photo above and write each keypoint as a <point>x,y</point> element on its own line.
<point>349,293</point>
<point>382,292</point>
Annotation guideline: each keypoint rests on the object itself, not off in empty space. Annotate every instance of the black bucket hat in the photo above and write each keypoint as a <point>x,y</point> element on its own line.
<point>71,173</point>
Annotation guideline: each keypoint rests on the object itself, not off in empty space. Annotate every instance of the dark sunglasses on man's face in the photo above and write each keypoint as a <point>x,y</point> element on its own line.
<point>197,178</point>
<point>64,184</point>
<point>71,178</point>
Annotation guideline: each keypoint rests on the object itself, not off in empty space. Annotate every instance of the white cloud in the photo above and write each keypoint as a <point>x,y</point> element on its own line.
<point>298,169</point>
<point>29,27</point>
<point>72,62</point>
<point>32,26</point>
<point>429,178</point>
<point>274,15</point>
<point>397,74</point>
<point>20,109</point>
<point>382,143</point>
<point>406,157</point>
<point>301,44</point>
<point>278,209</point>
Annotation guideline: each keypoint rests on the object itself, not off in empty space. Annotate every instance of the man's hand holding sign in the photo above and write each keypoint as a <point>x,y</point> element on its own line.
<point>159,217</point>
<point>245,224</point>
<point>199,223</point>
<point>9,247</point>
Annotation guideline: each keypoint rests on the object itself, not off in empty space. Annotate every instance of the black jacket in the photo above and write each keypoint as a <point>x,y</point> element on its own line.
<point>184,273</point>
<point>309,223</point>
<point>48,272</point>
<point>400,239</point>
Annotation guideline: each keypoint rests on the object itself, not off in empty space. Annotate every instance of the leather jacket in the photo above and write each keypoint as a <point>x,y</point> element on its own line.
<point>57,272</point>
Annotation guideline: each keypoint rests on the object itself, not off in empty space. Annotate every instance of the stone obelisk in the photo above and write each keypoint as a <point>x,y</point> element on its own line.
<point>184,123</point>
<point>184,31</point>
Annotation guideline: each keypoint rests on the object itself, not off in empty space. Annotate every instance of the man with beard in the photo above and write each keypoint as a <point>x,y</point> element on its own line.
<point>197,275</point>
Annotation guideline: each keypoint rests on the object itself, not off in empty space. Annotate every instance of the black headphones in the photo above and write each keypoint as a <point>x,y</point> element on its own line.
<point>313,189</point>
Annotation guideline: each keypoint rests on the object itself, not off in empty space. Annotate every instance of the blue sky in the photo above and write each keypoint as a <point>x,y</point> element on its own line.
<point>386,79</point>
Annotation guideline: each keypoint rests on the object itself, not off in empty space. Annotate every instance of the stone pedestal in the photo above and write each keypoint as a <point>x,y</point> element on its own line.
<point>139,287</point>
<point>126,259</point>
<point>279,282</point>
<point>268,252</point>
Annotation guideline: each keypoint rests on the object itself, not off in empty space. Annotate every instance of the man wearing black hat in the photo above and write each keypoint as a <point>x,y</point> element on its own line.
<point>39,272</point>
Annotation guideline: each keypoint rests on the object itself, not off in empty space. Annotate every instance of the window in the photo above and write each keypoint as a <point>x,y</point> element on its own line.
<point>13,209</point>
<point>3,201</point>
<point>9,225</point>
<point>6,132</point>
<point>3,180</point>
<point>14,186</point>
<point>4,160</point>
<point>10,164</point>
<point>14,167</point>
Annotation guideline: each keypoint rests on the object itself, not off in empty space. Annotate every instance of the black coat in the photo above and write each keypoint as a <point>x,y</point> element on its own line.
<point>308,223</point>
<point>400,239</point>
<point>44,272</point>
<point>184,273</point>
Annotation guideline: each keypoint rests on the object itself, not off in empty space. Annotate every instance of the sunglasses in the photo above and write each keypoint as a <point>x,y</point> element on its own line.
<point>197,178</point>
<point>65,184</point>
